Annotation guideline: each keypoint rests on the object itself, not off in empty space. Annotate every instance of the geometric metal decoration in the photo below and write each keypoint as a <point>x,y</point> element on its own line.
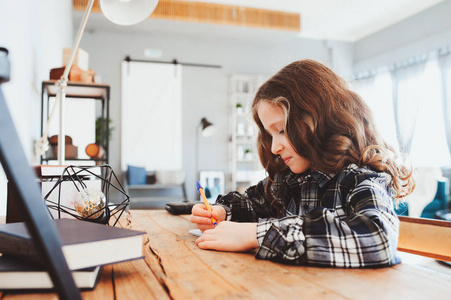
<point>83,192</point>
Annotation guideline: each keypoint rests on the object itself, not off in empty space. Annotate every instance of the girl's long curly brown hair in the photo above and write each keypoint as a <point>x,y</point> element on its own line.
<point>328,124</point>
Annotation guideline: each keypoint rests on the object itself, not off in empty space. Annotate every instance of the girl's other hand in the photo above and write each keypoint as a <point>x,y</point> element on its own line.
<point>202,217</point>
<point>230,236</point>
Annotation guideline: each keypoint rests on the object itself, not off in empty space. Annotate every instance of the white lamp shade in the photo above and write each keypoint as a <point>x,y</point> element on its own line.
<point>209,131</point>
<point>127,12</point>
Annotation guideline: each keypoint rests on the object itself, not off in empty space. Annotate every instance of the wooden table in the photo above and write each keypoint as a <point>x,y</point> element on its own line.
<point>175,268</point>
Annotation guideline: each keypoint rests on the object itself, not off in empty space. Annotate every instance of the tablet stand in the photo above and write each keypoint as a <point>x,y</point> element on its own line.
<point>20,174</point>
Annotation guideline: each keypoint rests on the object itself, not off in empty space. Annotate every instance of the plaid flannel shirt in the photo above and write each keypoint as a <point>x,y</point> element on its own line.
<point>335,220</point>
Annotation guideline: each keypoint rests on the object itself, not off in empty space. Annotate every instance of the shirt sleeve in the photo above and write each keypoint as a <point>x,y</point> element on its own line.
<point>365,236</point>
<point>247,207</point>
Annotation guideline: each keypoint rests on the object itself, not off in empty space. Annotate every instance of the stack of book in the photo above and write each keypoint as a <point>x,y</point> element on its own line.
<point>86,246</point>
<point>17,274</point>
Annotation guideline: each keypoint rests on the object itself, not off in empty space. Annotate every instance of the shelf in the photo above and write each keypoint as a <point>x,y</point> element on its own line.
<point>144,199</point>
<point>246,142</point>
<point>243,94</point>
<point>78,90</point>
<point>245,161</point>
<point>148,195</point>
<point>153,186</point>
<point>75,159</point>
<point>244,115</point>
<point>98,114</point>
<point>242,130</point>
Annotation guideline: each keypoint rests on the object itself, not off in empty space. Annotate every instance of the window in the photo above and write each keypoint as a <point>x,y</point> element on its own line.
<point>376,91</point>
<point>408,108</point>
<point>429,147</point>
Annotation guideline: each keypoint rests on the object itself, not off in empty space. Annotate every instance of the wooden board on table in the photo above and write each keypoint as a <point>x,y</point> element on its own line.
<point>426,237</point>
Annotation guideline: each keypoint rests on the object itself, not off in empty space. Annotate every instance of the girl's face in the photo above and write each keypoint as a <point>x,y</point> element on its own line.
<point>272,118</point>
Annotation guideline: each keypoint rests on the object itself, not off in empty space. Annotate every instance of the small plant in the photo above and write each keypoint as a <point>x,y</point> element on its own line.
<point>100,132</point>
<point>248,154</point>
<point>238,105</point>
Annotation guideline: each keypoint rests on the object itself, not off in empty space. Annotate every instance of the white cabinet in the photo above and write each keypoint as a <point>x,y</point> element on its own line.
<point>244,164</point>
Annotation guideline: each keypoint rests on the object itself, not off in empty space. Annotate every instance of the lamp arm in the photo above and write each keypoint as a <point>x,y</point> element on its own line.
<point>42,145</point>
<point>62,84</point>
<point>76,44</point>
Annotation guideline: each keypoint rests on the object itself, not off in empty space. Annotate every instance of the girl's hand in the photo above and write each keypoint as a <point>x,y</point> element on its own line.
<point>230,236</point>
<point>202,217</point>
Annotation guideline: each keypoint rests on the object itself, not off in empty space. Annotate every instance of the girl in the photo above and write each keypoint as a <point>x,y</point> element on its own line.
<point>328,197</point>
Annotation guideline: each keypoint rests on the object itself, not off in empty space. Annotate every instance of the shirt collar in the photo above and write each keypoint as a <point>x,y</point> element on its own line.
<point>320,177</point>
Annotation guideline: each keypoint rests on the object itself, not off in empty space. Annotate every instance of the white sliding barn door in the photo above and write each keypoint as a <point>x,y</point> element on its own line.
<point>151,111</point>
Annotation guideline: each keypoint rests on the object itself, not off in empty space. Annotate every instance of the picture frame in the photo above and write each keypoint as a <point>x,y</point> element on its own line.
<point>213,182</point>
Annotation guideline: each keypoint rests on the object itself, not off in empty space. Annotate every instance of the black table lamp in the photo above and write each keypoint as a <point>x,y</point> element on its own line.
<point>206,129</point>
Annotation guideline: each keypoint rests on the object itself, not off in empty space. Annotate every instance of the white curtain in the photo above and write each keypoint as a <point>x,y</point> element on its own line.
<point>429,147</point>
<point>376,91</point>
<point>408,91</point>
<point>445,67</point>
<point>408,110</point>
<point>151,109</point>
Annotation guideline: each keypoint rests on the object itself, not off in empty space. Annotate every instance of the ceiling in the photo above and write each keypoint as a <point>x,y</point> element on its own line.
<point>346,20</point>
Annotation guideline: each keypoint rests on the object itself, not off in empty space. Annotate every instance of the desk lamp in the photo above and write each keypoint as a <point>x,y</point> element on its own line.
<point>121,12</point>
<point>206,129</point>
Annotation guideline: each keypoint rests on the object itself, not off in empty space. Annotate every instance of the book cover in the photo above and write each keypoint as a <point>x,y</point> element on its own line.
<point>16,274</point>
<point>85,244</point>
<point>49,170</point>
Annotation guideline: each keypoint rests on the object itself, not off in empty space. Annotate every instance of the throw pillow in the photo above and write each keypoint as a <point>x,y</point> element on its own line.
<point>136,175</point>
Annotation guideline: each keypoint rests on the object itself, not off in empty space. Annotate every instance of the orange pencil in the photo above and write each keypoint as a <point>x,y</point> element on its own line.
<point>207,205</point>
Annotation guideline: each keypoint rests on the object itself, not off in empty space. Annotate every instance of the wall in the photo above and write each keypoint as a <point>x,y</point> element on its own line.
<point>205,90</point>
<point>40,33</point>
<point>416,35</point>
<point>34,35</point>
<point>42,30</point>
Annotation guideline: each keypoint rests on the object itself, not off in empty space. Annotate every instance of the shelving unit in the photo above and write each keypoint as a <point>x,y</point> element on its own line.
<point>146,196</point>
<point>100,94</point>
<point>244,165</point>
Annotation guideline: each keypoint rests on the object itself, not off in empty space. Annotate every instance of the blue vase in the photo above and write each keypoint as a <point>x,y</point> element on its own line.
<point>440,200</point>
<point>402,209</point>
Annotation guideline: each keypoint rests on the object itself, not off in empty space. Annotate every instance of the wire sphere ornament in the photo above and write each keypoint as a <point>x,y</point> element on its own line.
<point>83,192</point>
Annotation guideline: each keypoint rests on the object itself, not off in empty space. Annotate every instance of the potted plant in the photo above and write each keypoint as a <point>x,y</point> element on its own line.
<point>96,150</point>
<point>239,108</point>
<point>101,130</point>
<point>248,154</point>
